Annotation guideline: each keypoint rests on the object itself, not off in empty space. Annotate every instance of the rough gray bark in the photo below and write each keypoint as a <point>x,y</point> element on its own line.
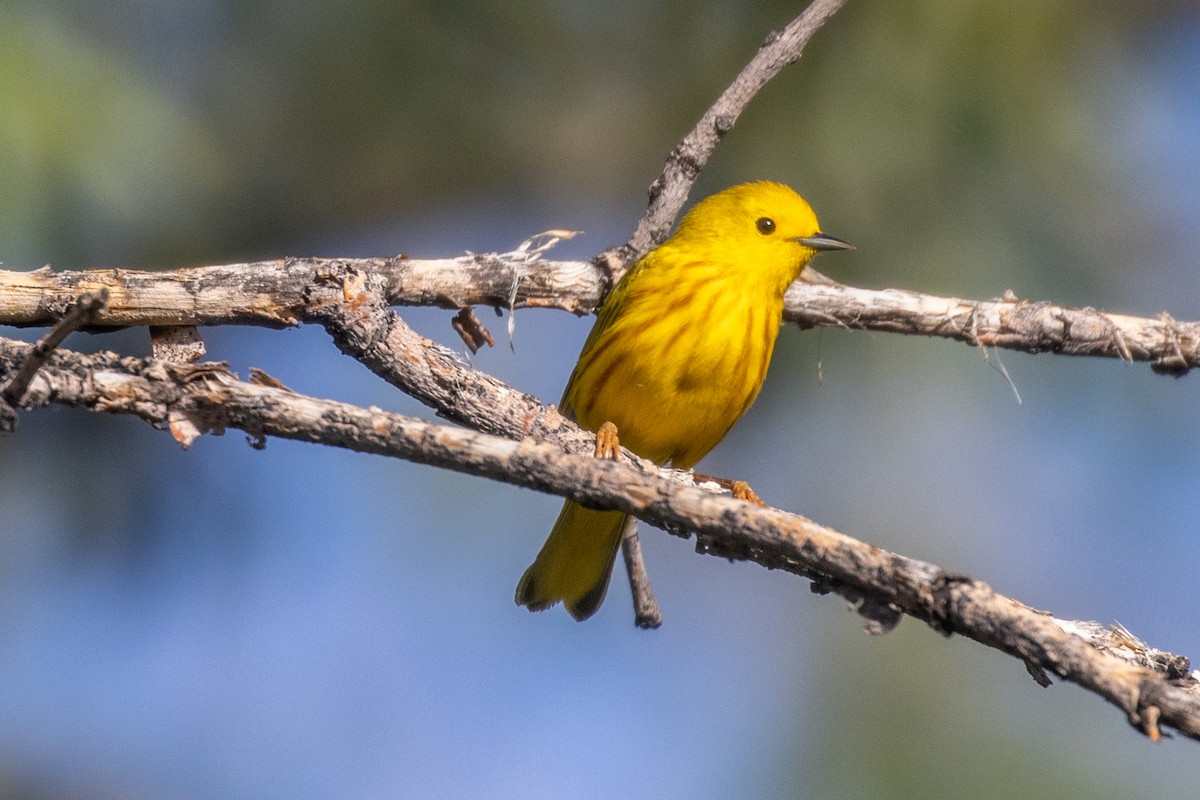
<point>274,294</point>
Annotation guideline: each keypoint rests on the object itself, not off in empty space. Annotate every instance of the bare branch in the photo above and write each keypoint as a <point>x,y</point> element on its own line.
<point>647,613</point>
<point>1010,323</point>
<point>670,190</point>
<point>1152,692</point>
<point>274,293</point>
<point>349,304</point>
<point>277,293</point>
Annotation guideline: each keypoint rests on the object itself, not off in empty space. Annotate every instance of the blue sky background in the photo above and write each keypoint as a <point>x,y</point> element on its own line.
<point>304,622</point>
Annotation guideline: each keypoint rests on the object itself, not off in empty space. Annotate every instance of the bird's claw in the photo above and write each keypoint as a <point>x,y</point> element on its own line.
<point>608,444</point>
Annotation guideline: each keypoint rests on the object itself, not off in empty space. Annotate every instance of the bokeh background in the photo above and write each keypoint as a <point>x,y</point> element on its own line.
<point>303,622</point>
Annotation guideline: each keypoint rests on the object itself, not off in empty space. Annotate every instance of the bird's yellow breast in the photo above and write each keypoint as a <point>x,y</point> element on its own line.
<point>675,363</point>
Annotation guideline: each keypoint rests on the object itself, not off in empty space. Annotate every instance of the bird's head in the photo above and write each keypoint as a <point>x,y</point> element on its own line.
<point>762,227</point>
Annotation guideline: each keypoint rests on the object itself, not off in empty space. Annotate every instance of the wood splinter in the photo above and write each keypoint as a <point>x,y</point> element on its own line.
<point>180,344</point>
<point>472,331</point>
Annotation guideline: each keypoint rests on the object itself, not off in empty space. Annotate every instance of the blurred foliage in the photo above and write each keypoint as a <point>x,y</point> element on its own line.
<point>92,154</point>
<point>161,133</point>
<point>929,730</point>
<point>158,134</point>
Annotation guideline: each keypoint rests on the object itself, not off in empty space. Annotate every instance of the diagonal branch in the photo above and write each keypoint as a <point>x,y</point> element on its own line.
<point>670,190</point>
<point>1152,688</point>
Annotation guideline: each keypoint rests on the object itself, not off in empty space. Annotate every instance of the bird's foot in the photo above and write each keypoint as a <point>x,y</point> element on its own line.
<point>608,444</point>
<point>739,489</point>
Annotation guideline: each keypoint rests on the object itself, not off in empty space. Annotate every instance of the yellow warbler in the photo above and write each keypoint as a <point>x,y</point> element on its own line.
<point>677,355</point>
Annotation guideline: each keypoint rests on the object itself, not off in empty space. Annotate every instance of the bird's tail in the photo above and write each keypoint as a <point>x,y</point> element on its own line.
<point>575,563</point>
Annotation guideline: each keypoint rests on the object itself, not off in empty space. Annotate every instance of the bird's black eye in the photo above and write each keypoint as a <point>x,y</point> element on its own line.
<point>765,225</point>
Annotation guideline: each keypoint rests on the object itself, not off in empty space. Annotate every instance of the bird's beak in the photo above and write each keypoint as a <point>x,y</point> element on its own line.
<point>823,241</point>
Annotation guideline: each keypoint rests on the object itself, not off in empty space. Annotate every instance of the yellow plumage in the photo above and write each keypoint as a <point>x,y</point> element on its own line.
<point>677,355</point>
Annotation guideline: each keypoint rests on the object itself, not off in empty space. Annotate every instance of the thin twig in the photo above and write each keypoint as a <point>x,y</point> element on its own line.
<point>79,314</point>
<point>647,612</point>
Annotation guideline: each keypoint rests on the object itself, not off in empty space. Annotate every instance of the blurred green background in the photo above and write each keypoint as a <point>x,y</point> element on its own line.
<point>304,622</point>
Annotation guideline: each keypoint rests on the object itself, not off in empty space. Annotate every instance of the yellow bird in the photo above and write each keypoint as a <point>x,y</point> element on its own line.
<point>677,355</point>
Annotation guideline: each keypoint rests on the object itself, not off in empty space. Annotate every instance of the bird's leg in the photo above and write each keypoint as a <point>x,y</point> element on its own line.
<point>739,489</point>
